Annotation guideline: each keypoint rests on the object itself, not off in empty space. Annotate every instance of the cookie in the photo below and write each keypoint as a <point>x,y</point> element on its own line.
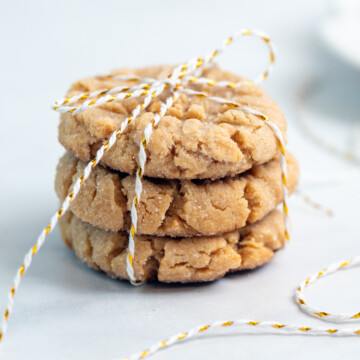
<point>193,259</point>
<point>196,139</point>
<point>175,207</point>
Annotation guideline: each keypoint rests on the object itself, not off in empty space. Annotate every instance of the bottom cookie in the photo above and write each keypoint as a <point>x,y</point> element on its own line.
<point>166,259</point>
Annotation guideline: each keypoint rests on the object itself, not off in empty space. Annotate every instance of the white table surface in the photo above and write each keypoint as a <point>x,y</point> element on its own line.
<point>65,310</point>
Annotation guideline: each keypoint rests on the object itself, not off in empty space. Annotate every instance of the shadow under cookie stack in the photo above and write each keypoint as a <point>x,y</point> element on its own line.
<point>211,187</point>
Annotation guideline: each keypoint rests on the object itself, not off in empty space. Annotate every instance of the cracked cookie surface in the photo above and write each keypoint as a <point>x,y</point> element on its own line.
<point>196,139</point>
<point>175,207</point>
<point>193,259</point>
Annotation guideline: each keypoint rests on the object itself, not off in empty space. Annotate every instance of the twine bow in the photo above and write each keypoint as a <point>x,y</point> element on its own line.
<point>177,82</point>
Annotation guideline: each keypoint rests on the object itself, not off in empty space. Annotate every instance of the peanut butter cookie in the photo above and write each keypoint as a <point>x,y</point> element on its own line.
<point>175,207</point>
<point>196,139</point>
<point>166,259</point>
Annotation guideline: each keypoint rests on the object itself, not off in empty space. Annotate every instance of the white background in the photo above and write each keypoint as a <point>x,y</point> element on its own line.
<point>63,309</point>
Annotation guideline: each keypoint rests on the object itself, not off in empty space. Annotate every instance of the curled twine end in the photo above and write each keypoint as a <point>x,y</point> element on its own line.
<point>313,204</point>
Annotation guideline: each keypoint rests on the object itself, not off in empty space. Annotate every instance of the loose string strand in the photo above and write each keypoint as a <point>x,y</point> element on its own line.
<point>273,327</point>
<point>312,310</point>
<point>315,205</point>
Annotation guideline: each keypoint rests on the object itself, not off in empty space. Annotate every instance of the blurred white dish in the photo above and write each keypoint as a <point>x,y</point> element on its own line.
<point>340,30</point>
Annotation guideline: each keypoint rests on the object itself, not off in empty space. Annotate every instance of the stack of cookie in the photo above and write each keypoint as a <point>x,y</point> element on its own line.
<point>211,186</point>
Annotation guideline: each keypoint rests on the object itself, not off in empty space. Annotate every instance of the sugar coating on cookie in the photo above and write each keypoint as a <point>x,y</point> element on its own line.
<point>173,207</point>
<point>196,139</point>
<point>192,259</point>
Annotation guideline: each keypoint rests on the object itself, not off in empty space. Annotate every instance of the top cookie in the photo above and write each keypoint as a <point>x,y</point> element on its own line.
<point>196,139</point>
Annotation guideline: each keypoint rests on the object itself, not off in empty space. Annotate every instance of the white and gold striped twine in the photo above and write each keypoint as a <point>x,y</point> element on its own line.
<point>181,76</point>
